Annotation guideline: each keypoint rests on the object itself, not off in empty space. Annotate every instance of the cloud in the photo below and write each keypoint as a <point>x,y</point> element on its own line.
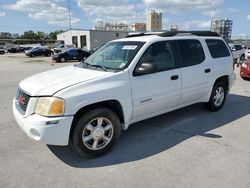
<point>178,5</point>
<point>113,10</point>
<point>44,10</point>
<point>248,17</point>
<point>2,14</point>
<point>211,13</point>
<point>232,10</point>
<point>195,24</point>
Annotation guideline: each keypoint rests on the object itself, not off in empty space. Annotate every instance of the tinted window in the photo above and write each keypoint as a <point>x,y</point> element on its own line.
<point>191,52</point>
<point>73,52</point>
<point>217,48</point>
<point>159,54</point>
<point>238,47</point>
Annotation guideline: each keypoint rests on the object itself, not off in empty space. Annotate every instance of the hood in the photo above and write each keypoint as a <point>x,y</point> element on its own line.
<point>27,51</point>
<point>48,83</point>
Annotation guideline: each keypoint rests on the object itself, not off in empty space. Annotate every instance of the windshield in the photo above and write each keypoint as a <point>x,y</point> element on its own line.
<point>115,55</point>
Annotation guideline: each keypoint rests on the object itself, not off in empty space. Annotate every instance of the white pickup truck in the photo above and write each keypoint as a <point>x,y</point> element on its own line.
<point>123,82</point>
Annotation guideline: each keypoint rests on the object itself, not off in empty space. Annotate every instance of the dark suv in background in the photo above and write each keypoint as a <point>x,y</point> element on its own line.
<point>71,54</point>
<point>38,51</point>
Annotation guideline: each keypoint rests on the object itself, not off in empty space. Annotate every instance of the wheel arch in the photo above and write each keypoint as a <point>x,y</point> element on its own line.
<point>113,105</point>
<point>224,79</point>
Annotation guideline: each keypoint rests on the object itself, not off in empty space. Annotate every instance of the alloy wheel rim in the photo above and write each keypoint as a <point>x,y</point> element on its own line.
<point>98,133</point>
<point>219,96</point>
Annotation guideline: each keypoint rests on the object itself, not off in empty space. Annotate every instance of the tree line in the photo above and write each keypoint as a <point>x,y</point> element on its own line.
<point>39,35</point>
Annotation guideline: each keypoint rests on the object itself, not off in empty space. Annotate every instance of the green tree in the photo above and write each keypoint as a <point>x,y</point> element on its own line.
<point>52,35</point>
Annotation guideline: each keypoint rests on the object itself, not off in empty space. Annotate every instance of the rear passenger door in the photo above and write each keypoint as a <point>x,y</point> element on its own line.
<point>196,69</point>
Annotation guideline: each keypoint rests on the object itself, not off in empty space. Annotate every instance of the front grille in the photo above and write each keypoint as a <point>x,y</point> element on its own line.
<point>22,100</point>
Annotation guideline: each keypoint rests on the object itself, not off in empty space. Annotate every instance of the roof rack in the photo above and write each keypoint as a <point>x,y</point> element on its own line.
<point>139,35</point>
<point>177,33</point>
<point>197,33</point>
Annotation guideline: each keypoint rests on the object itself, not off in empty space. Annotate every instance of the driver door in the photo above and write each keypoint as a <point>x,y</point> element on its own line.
<point>155,93</point>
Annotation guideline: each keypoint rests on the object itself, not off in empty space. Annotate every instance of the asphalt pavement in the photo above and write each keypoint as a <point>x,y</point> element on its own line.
<point>190,147</point>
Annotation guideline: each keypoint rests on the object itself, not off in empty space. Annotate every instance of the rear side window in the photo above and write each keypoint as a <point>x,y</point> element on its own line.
<point>217,48</point>
<point>191,52</point>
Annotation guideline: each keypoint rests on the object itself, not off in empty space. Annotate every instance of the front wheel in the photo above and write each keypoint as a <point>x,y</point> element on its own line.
<point>62,59</point>
<point>217,98</point>
<point>95,132</point>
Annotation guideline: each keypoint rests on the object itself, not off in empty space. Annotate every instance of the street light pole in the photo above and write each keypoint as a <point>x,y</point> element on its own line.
<point>69,14</point>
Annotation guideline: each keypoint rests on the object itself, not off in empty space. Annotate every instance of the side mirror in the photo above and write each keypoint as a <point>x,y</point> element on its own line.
<point>145,68</point>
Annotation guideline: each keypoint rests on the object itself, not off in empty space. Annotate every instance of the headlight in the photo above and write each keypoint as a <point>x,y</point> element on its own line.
<point>50,106</point>
<point>244,65</point>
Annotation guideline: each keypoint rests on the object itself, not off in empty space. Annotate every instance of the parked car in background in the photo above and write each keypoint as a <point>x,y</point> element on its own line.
<point>59,48</point>
<point>38,51</point>
<point>71,54</point>
<point>2,51</point>
<point>247,52</point>
<point>245,69</point>
<point>12,50</point>
<point>238,52</point>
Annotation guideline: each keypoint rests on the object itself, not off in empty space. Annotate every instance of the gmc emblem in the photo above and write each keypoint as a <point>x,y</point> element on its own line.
<point>21,100</point>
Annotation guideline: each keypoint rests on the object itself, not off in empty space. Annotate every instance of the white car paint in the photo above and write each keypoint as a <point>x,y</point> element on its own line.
<point>140,97</point>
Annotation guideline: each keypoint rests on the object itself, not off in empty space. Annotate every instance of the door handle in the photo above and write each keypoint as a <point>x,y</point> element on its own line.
<point>175,77</point>
<point>207,70</point>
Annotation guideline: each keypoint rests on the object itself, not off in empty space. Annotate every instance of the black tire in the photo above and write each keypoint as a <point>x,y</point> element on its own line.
<point>32,55</point>
<point>242,57</point>
<point>62,59</point>
<point>212,104</point>
<point>81,131</point>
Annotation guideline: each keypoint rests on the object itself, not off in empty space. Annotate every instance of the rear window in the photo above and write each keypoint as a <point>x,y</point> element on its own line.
<point>217,48</point>
<point>238,47</point>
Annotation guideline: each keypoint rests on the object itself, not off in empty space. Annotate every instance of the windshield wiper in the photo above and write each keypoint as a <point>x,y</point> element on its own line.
<point>98,66</point>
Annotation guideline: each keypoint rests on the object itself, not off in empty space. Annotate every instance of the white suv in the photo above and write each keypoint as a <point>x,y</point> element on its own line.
<point>123,82</point>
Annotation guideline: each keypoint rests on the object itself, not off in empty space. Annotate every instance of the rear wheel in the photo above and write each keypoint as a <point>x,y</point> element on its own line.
<point>95,132</point>
<point>217,98</point>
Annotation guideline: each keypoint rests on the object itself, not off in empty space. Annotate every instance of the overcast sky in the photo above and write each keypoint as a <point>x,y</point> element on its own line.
<point>17,16</point>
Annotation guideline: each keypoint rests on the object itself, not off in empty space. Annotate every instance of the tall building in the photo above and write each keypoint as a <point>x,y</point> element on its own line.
<point>138,27</point>
<point>154,21</point>
<point>223,27</point>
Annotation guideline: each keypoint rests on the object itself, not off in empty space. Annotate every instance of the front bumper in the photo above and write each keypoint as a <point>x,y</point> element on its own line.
<point>49,130</point>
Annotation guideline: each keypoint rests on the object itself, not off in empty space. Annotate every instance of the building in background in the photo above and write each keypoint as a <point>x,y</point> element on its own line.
<point>138,27</point>
<point>223,27</point>
<point>106,26</point>
<point>154,21</point>
<point>89,39</point>
<point>15,35</point>
<point>173,28</point>
<point>5,35</point>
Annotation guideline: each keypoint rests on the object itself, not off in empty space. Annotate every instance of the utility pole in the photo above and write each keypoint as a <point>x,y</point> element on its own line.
<point>69,14</point>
